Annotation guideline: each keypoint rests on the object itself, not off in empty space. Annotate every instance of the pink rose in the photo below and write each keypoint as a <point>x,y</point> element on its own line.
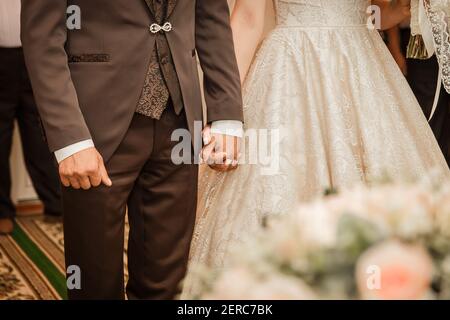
<point>394,271</point>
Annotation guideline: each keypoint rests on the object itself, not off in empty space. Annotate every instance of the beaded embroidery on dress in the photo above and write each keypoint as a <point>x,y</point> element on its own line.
<point>345,112</point>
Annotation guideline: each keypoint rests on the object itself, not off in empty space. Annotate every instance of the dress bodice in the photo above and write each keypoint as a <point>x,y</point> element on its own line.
<point>322,13</point>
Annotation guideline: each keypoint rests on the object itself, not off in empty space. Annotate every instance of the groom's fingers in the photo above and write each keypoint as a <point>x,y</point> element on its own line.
<point>207,135</point>
<point>226,166</point>
<point>95,179</point>
<point>65,181</point>
<point>85,184</point>
<point>74,183</point>
<point>217,158</point>
<point>219,162</point>
<point>104,175</point>
<point>208,150</point>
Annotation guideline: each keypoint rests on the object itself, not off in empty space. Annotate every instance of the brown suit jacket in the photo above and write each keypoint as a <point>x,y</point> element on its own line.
<point>88,82</point>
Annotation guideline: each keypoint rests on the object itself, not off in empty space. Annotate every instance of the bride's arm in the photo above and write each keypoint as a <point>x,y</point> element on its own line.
<point>247,22</point>
<point>393,12</point>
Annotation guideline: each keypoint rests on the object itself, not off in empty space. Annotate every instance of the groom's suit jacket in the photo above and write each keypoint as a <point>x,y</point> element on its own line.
<point>87,82</point>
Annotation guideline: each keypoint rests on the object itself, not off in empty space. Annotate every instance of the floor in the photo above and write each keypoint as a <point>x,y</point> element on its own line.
<point>32,260</point>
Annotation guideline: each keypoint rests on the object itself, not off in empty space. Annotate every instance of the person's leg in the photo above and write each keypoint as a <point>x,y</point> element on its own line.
<point>39,162</point>
<point>9,93</point>
<point>94,219</point>
<point>162,210</point>
<point>422,77</point>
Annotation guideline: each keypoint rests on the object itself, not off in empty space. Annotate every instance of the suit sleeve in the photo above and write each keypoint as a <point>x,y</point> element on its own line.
<point>44,34</point>
<point>215,48</point>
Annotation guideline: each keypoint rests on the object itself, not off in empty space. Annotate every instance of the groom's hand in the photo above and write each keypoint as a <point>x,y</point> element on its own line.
<point>84,170</point>
<point>221,152</point>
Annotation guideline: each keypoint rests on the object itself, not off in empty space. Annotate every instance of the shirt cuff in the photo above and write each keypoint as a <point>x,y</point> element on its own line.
<point>68,151</point>
<point>233,128</point>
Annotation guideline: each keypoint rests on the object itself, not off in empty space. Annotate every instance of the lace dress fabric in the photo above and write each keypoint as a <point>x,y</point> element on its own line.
<point>346,115</point>
<point>438,12</point>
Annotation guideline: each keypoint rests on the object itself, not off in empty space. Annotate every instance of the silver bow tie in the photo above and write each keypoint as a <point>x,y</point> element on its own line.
<point>166,27</point>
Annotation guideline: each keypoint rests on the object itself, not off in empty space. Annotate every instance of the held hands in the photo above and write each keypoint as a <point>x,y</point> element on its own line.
<point>221,152</point>
<point>84,170</point>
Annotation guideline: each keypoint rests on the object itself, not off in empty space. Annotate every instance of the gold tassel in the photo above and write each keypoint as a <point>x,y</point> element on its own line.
<point>417,48</point>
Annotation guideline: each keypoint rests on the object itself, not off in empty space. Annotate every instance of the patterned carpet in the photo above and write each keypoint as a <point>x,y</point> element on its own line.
<point>32,260</point>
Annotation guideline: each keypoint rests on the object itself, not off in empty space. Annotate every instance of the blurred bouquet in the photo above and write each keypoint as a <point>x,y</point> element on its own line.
<point>386,242</point>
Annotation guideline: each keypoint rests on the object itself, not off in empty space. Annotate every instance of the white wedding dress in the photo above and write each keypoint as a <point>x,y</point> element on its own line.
<point>346,113</point>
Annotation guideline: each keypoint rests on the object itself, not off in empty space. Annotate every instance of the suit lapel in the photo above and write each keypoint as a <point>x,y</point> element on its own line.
<point>170,6</point>
<point>150,6</point>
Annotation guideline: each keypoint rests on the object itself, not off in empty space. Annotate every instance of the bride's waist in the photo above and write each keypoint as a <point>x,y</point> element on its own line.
<point>324,27</point>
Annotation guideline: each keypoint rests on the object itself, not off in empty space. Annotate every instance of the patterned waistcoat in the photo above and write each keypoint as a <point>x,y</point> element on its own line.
<point>161,83</point>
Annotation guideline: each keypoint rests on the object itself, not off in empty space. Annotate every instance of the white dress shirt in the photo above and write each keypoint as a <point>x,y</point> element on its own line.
<point>10,24</point>
<point>226,127</point>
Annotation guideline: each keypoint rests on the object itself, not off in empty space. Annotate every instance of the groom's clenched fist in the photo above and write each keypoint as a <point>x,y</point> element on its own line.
<point>84,170</point>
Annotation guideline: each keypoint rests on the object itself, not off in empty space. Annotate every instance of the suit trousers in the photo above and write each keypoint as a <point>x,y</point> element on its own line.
<point>17,103</point>
<point>422,77</point>
<point>161,198</point>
